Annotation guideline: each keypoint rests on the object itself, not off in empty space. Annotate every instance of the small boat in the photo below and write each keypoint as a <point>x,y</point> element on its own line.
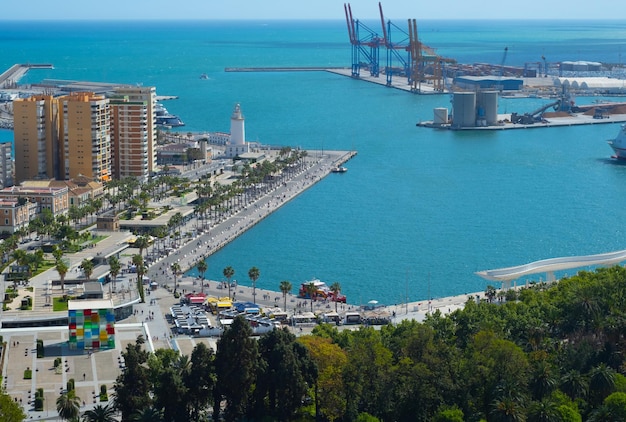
<point>339,169</point>
<point>204,76</point>
<point>320,291</point>
<point>619,144</point>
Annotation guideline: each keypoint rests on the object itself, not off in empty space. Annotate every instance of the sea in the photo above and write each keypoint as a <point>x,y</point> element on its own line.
<point>419,211</point>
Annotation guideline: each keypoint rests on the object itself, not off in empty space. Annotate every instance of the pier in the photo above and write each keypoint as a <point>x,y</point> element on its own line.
<point>283,69</point>
<point>11,76</point>
<point>571,120</point>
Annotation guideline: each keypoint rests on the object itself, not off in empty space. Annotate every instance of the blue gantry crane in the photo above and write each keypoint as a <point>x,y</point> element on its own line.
<point>398,50</point>
<point>365,45</point>
<point>405,54</point>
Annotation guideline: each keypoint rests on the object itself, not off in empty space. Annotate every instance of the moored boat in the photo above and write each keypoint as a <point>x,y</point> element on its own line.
<point>619,144</point>
<point>320,291</point>
<point>339,169</point>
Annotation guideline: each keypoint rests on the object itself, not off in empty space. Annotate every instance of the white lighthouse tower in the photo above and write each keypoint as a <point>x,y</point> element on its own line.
<point>237,145</point>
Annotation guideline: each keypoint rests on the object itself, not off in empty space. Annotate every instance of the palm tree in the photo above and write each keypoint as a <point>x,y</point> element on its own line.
<point>285,287</point>
<point>310,290</point>
<point>575,385</point>
<point>100,414</point>
<point>62,268</point>
<point>507,409</point>
<point>228,273</point>
<point>141,243</point>
<point>335,288</point>
<point>175,267</point>
<point>254,274</point>
<point>87,267</point>
<point>114,268</point>
<point>601,382</point>
<point>202,266</point>
<point>149,414</point>
<point>141,270</point>
<point>68,405</point>
<point>545,410</point>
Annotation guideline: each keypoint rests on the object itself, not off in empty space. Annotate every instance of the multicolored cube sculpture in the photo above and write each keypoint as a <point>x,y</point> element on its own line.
<point>91,324</point>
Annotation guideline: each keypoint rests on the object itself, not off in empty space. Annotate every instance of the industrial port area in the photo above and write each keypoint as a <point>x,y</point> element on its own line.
<point>408,64</point>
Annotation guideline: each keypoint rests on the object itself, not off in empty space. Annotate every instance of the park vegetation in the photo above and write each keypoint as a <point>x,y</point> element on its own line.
<point>545,353</point>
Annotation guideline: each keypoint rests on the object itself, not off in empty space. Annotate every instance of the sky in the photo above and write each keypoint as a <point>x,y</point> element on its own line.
<point>309,9</point>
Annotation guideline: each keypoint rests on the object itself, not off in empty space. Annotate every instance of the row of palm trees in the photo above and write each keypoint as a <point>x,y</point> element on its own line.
<point>254,273</point>
<point>216,200</point>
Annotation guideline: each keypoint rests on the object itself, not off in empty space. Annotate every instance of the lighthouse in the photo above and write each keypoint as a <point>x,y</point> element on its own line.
<point>237,145</point>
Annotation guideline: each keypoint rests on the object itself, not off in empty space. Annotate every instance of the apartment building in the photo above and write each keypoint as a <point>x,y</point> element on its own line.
<point>36,137</point>
<point>130,138</point>
<point>85,134</point>
<point>6,165</point>
<point>146,96</point>
<point>85,146</point>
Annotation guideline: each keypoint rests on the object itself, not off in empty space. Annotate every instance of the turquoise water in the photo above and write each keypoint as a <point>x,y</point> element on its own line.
<point>418,209</point>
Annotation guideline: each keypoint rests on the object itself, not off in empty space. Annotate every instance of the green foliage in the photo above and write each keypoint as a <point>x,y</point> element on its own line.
<point>236,363</point>
<point>100,414</point>
<point>28,374</point>
<point>39,403</point>
<point>57,362</point>
<point>10,410</point>
<point>40,348</point>
<point>616,404</point>
<point>59,304</point>
<point>366,417</point>
<point>70,385</point>
<point>132,387</point>
<point>449,414</point>
<point>68,405</point>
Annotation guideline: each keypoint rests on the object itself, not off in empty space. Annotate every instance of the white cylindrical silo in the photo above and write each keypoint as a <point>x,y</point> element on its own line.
<point>440,116</point>
<point>464,109</point>
<point>490,106</point>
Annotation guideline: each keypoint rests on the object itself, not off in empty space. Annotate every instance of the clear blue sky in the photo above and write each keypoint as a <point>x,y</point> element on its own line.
<point>311,9</point>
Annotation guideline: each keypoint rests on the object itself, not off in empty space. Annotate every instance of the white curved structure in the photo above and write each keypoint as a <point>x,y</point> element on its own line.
<point>553,264</point>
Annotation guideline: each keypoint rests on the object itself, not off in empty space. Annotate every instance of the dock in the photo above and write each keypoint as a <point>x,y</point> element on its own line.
<point>572,120</point>
<point>283,69</point>
<point>12,75</point>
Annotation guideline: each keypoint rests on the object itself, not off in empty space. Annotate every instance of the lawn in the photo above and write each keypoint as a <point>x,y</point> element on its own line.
<point>60,304</point>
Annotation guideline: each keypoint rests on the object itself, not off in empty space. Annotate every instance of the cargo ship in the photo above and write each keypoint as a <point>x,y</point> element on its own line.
<point>619,144</point>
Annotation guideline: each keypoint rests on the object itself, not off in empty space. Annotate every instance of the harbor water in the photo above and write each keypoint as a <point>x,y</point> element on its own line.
<point>419,210</point>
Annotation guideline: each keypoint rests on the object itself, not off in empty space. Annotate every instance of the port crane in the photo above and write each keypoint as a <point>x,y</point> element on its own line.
<point>426,64</point>
<point>365,43</point>
<point>405,55</point>
<point>395,50</point>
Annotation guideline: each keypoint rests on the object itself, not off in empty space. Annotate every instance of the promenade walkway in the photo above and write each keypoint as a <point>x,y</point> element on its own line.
<point>549,266</point>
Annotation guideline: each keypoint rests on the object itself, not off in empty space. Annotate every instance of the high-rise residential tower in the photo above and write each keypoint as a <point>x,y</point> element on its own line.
<point>129,138</point>
<point>36,138</point>
<point>146,95</point>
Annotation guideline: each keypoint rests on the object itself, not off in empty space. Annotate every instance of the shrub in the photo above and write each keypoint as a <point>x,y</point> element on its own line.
<point>57,362</point>
<point>70,385</point>
<point>28,374</point>
<point>40,350</point>
<point>39,403</point>
<point>103,393</point>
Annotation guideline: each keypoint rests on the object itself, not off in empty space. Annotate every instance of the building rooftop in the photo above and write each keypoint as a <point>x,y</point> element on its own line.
<point>77,305</point>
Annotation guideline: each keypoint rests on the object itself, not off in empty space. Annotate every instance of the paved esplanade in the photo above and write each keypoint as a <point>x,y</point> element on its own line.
<point>548,266</point>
